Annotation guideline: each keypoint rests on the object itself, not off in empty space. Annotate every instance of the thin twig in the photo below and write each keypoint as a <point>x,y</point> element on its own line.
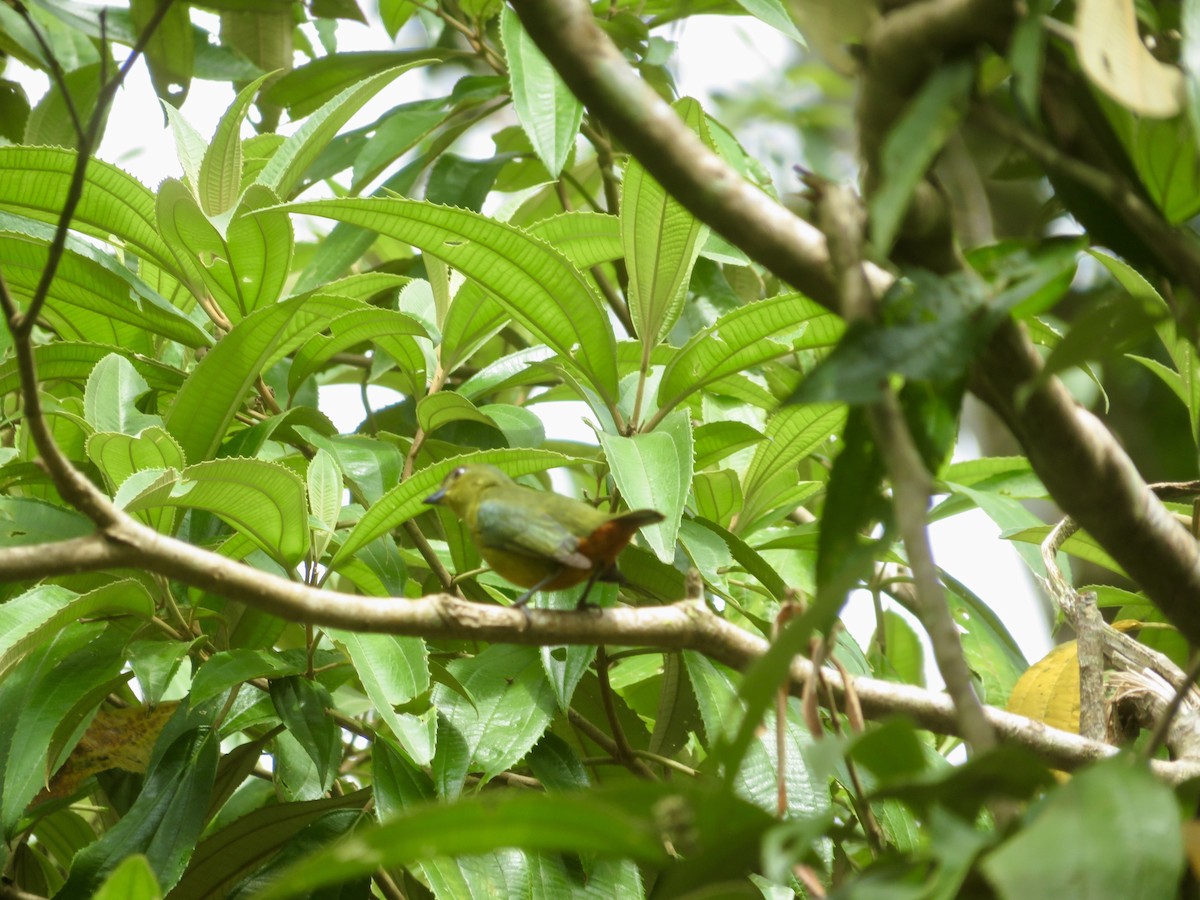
<point>624,752</point>
<point>843,221</point>
<point>57,75</point>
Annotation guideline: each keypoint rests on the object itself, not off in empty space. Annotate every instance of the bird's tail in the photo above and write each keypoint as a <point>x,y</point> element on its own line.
<point>639,517</point>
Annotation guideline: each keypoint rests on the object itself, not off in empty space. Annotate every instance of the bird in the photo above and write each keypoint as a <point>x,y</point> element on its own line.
<point>536,539</point>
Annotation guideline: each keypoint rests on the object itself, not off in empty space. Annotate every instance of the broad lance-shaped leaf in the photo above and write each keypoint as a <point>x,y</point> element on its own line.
<point>283,171</point>
<point>56,683</point>
<point>746,337</point>
<point>912,144</point>
<point>305,89</point>
<point>37,615</point>
<point>243,265</point>
<point>791,434</point>
<point>394,670</point>
<point>110,395</point>
<point>164,822</point>
<point>171,50</point>
<point>390,331</point>
<point>220,178</point>
<point>324,482</point>
<point>513,705</point>
<point>662,240</point>
<point>87,279</point>
<point>547,110</point>
<point>620,824</point>
<point>584,238</point>
<point>74,361</point>
<point>1113,830</point>
<point>120,455</point>
<point>536,284</point>
<point>654,470</point>
<point>212,394</point>
<point>263,500</point>
<point>113,203</point>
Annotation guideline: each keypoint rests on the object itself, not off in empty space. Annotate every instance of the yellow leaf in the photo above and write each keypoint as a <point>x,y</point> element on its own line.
<point>1112,54</point>
<point>1049,689</point>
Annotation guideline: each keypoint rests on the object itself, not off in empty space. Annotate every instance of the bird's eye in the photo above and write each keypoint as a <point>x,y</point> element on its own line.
<point>461,470</point>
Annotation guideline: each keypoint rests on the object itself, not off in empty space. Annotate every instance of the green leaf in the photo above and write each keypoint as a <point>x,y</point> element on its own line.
<point>443,408</point>
<point>27,520</point>
<point>219,182</point>
<point>373,465</point>
<point>170,52</point>
<point>756,775</point>
<point>912,144</point>
<point>74,361</point>
<point>547,110</point>
<point>393,671</point>
<point>513,705</point>
<point>1111,831</point>
<point>990,651</point>
<point>307,88</point>
<point>934,328</point>
<point>744,338</point>
<point>852,506</point>
<point>50,122</point>
<point>244,265</point>
<point>536,285</point>
<point>132,879</point>
<point>791,434</point>
<point>263,500</point>
<point>109,397</point>
<point>387,329</point>
<point>773,13</point>
<point>155,664</point>
<point>750,560</point>
<point>248,842</point>
<point>653,470</point>
<point>585,238</point>
<point>324,482</point>
<point>226,668</point>
<point>589,823</point>
<point>212,394</point>
<point>1080,544</point>
<point>164,822</point>
<point>284,170</point>
<point>1189,60</point>
<point>87,280</point>
<point>1107,327</point>
<point>38,695</point>
<point>302,705</point>
<point>31,620</point>
<point>661,240</point>
<point>113,203</point>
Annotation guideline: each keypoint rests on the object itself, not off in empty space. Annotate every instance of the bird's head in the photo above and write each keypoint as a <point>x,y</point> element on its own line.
<point>465,485</point>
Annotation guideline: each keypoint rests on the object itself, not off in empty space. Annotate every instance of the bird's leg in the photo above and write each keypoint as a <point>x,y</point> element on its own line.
<point>528,595</point>
<point>587,589</point>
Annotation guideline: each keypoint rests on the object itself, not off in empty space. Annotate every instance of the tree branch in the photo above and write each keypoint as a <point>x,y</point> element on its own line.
<point>687,625</point>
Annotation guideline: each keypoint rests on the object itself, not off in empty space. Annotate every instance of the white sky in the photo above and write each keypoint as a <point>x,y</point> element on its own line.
<point>967,545</point>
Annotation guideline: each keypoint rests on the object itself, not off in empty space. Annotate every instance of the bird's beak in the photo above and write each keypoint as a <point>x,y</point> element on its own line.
<point>436,497</point>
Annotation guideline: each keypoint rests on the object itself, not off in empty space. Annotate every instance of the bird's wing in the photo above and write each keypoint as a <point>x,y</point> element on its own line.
<point>530,534</point>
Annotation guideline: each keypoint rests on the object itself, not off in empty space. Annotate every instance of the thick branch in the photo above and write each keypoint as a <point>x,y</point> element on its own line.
<point>687,625</point>
<point>598,74</point>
